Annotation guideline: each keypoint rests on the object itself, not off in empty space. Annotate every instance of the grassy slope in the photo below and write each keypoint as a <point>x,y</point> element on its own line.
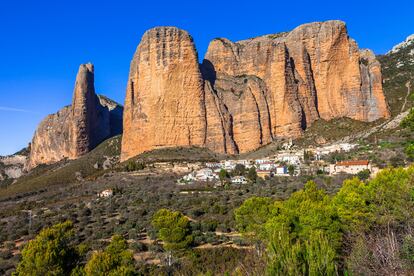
<point>177,154</point>
<point>64,172</point>
<point>330,131</point>
<point>67,172</point>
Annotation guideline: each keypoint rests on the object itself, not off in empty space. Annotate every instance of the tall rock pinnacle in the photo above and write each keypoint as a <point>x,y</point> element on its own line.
<point>90,120</point>
<point>76,129</point>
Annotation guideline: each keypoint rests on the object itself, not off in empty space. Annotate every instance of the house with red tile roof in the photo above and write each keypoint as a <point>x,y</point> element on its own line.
<point>350,167</point>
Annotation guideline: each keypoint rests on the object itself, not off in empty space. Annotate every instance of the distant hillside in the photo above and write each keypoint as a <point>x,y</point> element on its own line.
<point>12,166</point>
<point>398,75</point>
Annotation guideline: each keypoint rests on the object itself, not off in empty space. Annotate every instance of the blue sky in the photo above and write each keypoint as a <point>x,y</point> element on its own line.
<point>42,43</point>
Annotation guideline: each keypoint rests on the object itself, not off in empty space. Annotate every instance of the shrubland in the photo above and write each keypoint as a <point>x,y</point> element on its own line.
<point>352,227</point>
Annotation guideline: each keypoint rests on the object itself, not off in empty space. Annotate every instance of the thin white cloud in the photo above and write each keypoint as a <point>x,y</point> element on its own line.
<point>12,109</point>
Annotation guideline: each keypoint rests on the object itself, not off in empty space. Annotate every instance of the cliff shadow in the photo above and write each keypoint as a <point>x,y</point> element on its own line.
<point>116,120</point>
<point>208,72</point>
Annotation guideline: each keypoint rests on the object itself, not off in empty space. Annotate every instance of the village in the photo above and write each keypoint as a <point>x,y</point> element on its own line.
<point>287,162</point>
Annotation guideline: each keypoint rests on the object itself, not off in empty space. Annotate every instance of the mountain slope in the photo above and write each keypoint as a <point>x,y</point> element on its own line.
<point>398,75</point>
<point>67,171</point>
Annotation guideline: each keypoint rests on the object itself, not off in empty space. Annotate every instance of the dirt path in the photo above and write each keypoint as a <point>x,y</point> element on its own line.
<point>408,85</point>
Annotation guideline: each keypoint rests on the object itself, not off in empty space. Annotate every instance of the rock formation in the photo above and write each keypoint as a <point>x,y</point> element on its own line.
<point>312,72</point>
<point>374,99</point>
<point>254,90</point>
<point>12,166</point>
<point>76,129</point>
<point>164,105</point>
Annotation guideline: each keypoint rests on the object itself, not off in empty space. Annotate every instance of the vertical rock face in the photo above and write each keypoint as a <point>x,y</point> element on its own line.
<point>312,72</point>
<point>254,90</point>
<point>325,53</point>
<point>268,61</point>
<point>51,139</point>
<point>244,103</point>
<point>164,105</point>
<point>76,129</point>
<point>219,133</point>
<point>89,119</point>
<point>375,104</point>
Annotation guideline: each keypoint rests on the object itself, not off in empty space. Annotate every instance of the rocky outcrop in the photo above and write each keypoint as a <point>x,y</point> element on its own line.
<point>51,141</point>
<point>76,129</point>
<point>334,62</point>
<point>311,72</point>
<point>374,101</point>
<point>116,113</point>
<point>12,166</point>
<point>242,107</point>
<point>254,90</point>
<point>164,105</point>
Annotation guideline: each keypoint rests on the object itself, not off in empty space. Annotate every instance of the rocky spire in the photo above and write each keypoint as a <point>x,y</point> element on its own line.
<point>77,129</point>
<point>89,118</point>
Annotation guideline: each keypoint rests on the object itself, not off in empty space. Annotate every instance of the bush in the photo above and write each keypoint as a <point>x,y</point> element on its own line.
<point>132,166</point>
<point>408,122</point>
<point>138,247</point>
<point>364,174</point>
<point>409,151</point>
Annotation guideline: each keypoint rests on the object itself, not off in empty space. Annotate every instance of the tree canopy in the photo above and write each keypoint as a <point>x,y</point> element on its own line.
<point>116,259</point>
<point>50,253</point>
<point>173,228</point>
<point>306,233</point>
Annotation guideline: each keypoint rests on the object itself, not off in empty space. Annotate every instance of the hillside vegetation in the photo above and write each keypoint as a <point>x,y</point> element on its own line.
<point>283,228</point>
<point>398,72</point>
<point>67,171</point>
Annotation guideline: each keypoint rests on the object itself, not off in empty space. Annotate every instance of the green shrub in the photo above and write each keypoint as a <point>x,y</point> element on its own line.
<point>409,150</point>
<point>132,166</point>
<point>408,122</point>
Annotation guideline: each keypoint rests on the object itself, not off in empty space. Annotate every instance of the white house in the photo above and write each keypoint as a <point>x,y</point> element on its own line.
<point>293,158</point>
<point>288,145</point>
<point>261,161</point>
<point>189,177</point>
<point>239,180</point>
<point>205,175</point>
<point>282,170</point>
<point>229,165</point>
<point>106,193</point>
<point>321,151</point>
<point>267,166</point>
<point>245,163</point>
<point>214,165</point>
<point>350,167</point>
